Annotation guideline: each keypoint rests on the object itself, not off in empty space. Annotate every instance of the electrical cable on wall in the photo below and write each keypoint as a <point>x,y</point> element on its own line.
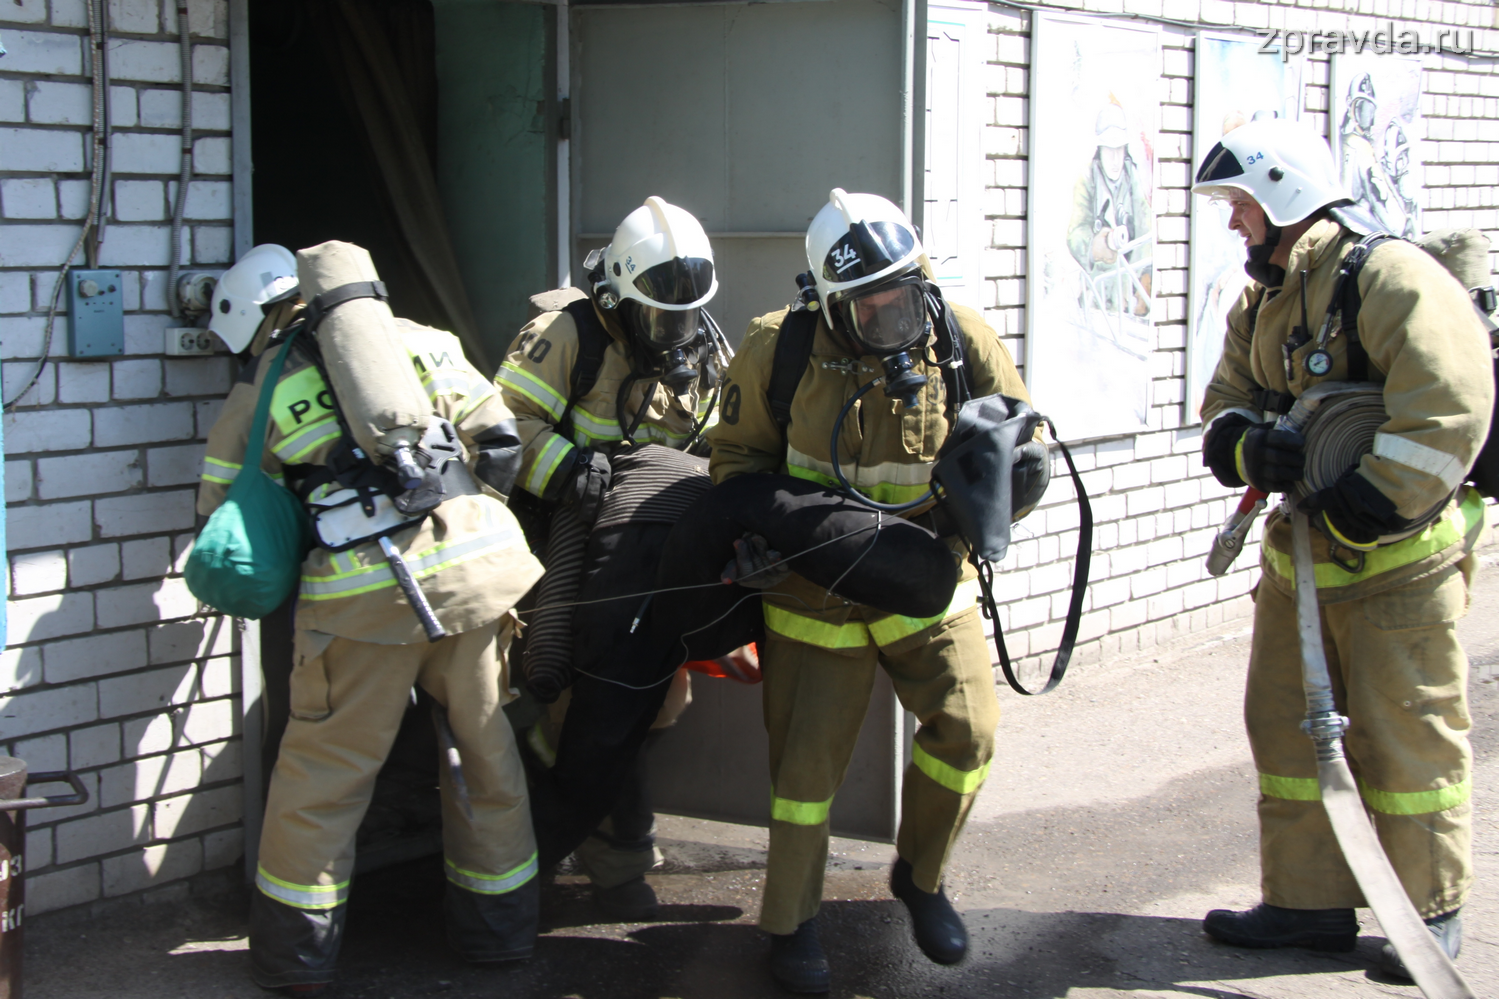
<point>179,208</point>
<point>93,220</point>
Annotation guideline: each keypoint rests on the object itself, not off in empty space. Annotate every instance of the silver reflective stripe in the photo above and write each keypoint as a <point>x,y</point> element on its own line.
<point>379,575</point>
<point>1407,452</point>
<point>298,444</point>
<point>301,896</point>
<point>491,884</point>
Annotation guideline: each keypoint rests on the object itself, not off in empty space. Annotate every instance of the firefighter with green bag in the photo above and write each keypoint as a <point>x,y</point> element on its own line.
<point>399,456</point>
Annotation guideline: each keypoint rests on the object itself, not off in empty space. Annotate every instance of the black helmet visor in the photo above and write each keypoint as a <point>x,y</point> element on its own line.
<point>867,248</point>
<point>677,281</point>
<point>1220,164</point>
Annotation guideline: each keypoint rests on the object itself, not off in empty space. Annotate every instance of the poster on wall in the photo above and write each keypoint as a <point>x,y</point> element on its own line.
<point>1090,301</point>
<point>1376,134</point>
<point>1236,83</point>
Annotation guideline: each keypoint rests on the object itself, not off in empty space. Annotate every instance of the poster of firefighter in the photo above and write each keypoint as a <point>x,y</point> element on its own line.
<point>1376,132</point>
<point>1094,123</point>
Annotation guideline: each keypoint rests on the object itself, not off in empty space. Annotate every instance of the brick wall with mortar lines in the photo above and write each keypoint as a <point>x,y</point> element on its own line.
<point>1156,508</point>
<point>110,670</point>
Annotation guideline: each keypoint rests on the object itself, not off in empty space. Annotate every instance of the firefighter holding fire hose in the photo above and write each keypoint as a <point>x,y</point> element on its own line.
<point>1392,539</point>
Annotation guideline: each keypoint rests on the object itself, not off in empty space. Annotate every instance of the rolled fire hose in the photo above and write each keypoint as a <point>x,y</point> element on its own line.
<point>1339,421</point>
<point>548,661</point>
<point>1427,963</point>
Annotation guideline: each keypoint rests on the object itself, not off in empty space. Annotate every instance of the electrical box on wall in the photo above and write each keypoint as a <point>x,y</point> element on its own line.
<point>96,314</point>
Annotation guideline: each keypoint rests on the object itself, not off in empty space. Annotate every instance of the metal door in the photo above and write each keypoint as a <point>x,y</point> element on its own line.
<point>747,115</point>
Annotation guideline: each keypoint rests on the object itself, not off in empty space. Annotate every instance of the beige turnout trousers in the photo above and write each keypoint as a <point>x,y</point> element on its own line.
<point>1400,676</point>
<point>815,699</point>
<point>347,700</point>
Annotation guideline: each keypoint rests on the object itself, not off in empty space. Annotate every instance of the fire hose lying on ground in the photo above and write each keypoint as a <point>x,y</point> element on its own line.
<point>1339,421</point>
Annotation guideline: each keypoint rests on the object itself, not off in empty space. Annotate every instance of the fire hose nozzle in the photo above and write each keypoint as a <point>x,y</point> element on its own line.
<point>1230,540</point>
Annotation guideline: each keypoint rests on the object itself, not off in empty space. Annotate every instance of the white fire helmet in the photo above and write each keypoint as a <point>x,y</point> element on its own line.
<point>658,271</point>
<point>268,272</point>
<point>862,245</point>
<point>1281,164</point>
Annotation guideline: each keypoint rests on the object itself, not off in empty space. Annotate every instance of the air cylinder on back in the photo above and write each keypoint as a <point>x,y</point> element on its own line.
<point>373,377</point>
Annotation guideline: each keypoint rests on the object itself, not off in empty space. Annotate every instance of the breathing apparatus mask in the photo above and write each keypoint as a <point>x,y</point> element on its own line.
<point>887,319</point>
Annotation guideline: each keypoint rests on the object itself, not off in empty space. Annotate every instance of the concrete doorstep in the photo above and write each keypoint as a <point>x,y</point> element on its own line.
<point>1119,810</point>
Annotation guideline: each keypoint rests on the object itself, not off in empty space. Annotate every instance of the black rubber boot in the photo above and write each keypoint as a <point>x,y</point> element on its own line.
<point>1447,928</point>
<point>294,947</point>
<point>939,929</point>
<point>490,929</point>
<point>633,902</point>
<point>797,961</point>
<point>1269,925</point>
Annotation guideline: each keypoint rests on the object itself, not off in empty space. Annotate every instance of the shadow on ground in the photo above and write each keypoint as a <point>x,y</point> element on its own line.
<point>395,949</point>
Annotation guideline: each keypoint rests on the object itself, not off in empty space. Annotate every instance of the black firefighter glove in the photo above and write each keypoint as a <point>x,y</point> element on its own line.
<point>1219,445</point>
<point>1271,460</point>
<point>755,564</point>
<point>1353,512</point>
<point>500,454</point>
<point>582,487</point>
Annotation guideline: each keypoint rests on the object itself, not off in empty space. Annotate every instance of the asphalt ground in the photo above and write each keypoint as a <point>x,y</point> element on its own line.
<point>1119,810</point>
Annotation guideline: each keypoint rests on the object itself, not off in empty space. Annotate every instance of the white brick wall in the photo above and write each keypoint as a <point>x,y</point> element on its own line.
<point>1156,508</point>
<point>111,672</point>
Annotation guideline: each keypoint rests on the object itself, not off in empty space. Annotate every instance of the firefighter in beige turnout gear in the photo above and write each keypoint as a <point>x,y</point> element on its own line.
<point>1393,549</point>
<point>359,650</point>
<point>822,653</point>
<point>654,376</point>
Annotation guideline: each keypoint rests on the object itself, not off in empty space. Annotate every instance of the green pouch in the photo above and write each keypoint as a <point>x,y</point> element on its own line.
<point>248,556</point>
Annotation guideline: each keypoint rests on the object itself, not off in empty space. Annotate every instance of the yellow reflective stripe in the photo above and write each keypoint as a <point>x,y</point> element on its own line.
<point>299,445</point>
<point>949,776</point>
<point>852,635</point>
<point>1438,536</point>
<point>888,630</point>
<point>880,492</point>
<point>545,463</point>
<point>592,427</point>
<point>364,579</point>
<point>799,813</point>
<point>1389,802</point>
<point>1416,802</point>
<point>1239,458</point>
<point>301,896</point>
<point>472,403</point>
<point>491,884</point>
<point>1290,788</point>
<point>524,383</point>
<point>214,478</point>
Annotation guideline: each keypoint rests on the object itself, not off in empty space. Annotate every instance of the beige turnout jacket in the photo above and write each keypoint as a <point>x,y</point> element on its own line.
<point>468,555</point>
<point>1428,350</point>
<point>536,380</point>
